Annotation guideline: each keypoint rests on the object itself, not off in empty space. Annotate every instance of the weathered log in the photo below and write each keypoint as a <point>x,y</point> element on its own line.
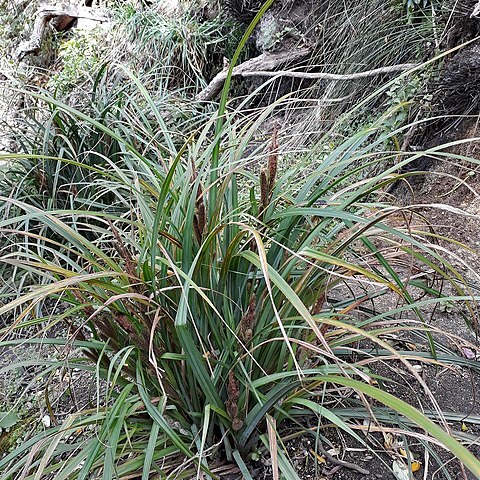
<point>60,18</point>
<point>264,66</point>
<point>265,61</point>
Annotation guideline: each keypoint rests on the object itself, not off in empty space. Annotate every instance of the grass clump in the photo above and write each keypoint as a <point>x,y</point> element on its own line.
<point>210,309</point>
<point>217,295</point>
<point>182,50</point>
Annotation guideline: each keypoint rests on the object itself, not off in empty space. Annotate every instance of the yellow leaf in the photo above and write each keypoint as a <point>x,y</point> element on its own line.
<point>464,427</point>
<point>414,463</point>
<point>401,470</point>
<point>318,457</point>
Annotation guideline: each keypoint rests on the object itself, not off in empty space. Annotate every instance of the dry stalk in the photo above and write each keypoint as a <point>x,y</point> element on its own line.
<point>264,192</point>
<point>273,160</point>
<point>269,175</point>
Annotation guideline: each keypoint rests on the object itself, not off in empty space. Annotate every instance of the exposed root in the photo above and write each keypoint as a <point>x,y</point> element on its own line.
<point>265,61</point>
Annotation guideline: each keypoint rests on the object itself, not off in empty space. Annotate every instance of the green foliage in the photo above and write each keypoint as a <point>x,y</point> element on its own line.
<point>218,292</point>
<point>80,56</point>
<point>403,94</point>
<point>8,419</point>
<point>208,313</point>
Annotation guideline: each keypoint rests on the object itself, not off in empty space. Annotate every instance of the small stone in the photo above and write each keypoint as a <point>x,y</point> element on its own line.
<point>46,421</point>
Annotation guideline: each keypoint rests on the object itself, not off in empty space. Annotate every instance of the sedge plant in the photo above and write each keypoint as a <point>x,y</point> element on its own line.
<point>204,298</point>
<point>212,324</point>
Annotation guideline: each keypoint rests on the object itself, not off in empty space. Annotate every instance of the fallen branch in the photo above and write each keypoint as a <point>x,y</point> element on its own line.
<point>62,16</point>
<point>268,62</point>
<point>332,76</point>
<point>265,61</point>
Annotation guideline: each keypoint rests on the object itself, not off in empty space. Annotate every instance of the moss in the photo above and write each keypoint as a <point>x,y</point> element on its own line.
<point>8,438</point>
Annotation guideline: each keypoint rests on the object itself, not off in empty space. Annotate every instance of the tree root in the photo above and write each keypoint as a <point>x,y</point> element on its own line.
<point>332,76</point>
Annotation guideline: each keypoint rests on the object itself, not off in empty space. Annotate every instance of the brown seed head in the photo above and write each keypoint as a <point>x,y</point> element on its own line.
<point>248,320</point>
<point>231,403</point>
<point>264,190</point>
<point>200,219</point>
<point>273,161</point>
